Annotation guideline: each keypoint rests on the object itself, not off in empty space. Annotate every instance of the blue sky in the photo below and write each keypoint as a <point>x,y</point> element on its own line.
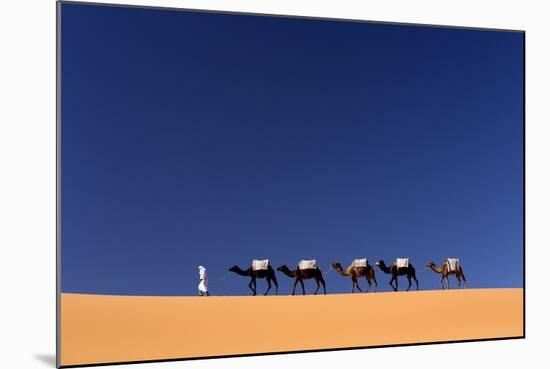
<point>195,138</point>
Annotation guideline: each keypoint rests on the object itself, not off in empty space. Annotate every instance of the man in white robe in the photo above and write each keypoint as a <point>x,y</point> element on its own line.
<point>203,281</point>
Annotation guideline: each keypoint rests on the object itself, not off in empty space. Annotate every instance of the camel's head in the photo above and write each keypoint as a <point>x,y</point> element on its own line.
<point>430,264</point>
<point>234,268</point>
<point>335,265</point>
<point>380,263</point>
<point>282,267</point>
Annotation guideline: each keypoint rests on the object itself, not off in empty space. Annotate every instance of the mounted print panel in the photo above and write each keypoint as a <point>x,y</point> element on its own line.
<point>237,184</point>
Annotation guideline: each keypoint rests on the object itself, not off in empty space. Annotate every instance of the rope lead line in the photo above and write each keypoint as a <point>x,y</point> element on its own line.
<point>225,276</point>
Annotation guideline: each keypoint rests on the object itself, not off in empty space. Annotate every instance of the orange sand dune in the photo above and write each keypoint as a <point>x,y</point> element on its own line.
<point>100,329</point>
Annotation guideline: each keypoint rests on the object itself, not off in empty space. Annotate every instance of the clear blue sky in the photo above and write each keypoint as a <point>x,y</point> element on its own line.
<point>213,139</point>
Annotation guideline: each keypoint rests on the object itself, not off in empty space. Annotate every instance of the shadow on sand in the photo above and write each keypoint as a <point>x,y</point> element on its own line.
<point>48,359</point>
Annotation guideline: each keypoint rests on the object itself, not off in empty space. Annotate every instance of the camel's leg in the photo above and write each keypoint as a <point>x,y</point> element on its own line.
<point>447,279</point>
<point>318,286</point>
<point>375,284</point>
<point>268,286</point>
<point>303,288</point>
<point>410,283</point>
<point>416,280</point>
<point>394,279</point>
<point>441,282</point>
<point>458,279</point>
<point>352,286</point>
<point>274,280</point>
<point>463,277</point>
<point>250,285</point>
<point>355,283</point>
<point>369,284</point>
<point>324,285</point>
<point>294,287</point>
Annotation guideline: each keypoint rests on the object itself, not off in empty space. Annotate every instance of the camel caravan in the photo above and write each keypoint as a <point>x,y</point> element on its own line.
<point>356,270</point>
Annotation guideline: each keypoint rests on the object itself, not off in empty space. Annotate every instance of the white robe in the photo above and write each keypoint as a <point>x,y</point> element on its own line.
<point>203,284</point>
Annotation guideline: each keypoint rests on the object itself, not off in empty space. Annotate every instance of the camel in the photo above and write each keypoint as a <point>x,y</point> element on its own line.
<point>357,272</point>
<point>409,271</point>
<point>268,274</point>
<point>445,273</point>
<point>301,274</point>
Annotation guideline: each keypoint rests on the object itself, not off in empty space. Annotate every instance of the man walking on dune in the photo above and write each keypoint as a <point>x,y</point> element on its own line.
<point>203,281</point>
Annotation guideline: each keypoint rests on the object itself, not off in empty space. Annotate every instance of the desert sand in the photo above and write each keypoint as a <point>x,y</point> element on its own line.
<point>103,329</point>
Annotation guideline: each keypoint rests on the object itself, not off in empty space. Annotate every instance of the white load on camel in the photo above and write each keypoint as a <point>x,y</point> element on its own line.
<point>402,262</point>
<point>453,264</point>
<point>260,264</point>
<point>307,264</point>
<point>360,263</point>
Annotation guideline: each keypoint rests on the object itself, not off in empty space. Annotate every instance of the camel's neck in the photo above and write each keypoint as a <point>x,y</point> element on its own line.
<point>288,272</point>
<point>341,271</point>
<point>384,268</point>
<point>239,271</point>
<point>436,269</point>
